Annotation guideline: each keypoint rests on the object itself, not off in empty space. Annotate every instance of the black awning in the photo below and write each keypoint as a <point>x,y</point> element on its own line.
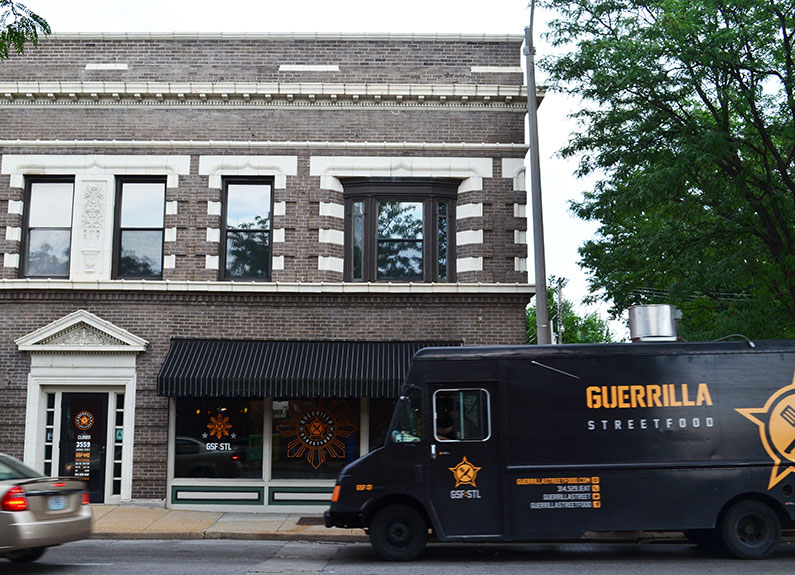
<point>286,369</point>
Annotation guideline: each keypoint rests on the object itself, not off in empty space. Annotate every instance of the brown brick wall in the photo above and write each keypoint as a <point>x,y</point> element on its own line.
<point>470,319</point>
<point>252,60</point>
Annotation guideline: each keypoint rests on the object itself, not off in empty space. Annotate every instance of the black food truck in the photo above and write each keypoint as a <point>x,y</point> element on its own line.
<point>549,442</point>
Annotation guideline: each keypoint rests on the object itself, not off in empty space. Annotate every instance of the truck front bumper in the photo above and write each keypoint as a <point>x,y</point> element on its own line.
<point>344,520</point>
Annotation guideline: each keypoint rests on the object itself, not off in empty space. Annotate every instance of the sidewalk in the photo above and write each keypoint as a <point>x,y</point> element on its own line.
<point>156,522</point>
<point>144,522</point>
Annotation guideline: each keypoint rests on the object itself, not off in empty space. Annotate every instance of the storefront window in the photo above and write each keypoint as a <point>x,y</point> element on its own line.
<point>218,438</point>
<point>314,438</point>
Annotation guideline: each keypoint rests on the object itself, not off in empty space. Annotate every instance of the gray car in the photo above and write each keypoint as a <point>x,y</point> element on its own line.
<point>37,512</point>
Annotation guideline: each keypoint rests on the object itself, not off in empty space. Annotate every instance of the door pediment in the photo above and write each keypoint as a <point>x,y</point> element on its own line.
<point>83,332</point>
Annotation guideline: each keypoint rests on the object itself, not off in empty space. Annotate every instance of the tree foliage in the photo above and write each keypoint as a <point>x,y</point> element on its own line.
<point>19,25</point>
<point>689,123</point>
<point>590,328</point>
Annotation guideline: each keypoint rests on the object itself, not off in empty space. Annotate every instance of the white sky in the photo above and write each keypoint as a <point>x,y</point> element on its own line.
<point>563,232</point>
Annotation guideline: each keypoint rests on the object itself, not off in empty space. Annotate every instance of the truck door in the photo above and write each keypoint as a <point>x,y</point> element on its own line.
<point>465,483</point>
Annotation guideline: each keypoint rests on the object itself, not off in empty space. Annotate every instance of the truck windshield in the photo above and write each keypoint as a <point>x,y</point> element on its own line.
<point>408,418</point>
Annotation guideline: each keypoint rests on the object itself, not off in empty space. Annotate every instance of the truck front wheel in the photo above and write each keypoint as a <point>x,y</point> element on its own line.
<point>398,533</point>
<point>750,530</point>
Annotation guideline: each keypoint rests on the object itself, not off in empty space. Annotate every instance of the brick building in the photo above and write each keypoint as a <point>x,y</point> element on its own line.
<point>219,252</point>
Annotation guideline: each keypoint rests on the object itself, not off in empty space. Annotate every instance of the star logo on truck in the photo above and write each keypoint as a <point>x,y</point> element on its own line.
<point>776,421</point>
<point>465,473</point>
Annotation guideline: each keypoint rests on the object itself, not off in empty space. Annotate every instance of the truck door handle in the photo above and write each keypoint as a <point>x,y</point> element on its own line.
<point>433,451</point>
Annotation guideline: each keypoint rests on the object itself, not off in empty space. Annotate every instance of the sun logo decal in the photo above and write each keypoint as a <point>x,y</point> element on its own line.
<point>465,473</point>
<point>317,430</point>
<point>219,426</point>
<point>776,421</point>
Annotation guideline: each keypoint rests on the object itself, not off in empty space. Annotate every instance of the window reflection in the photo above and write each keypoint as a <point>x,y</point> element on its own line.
<point>219,438</point>
<point>49,232</point>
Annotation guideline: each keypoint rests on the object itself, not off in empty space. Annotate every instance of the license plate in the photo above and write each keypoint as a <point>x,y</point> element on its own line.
<point>56,503</point>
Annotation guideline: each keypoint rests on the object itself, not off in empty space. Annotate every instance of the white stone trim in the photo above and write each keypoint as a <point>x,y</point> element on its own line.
<point>16,206</point>
<point>36,341</point>
<point>13,233</point>
<point>336,237</point>
<point>278,235</point>
<point>169,262</point>
<point>469,264</point>
<point>496,69</point>
<point>469,237</point>
<point>172,208</point>
<point>106,66</point>
<point>277,166</point>
<point>520,264</point>
<point>519,237</point>
<point>277,263</point>
<point>249,145</point>
<point>284,36</point>
<point>11,260</point>
<point>520,210</point>
<point>170,235</point>
<point>309,68</point>
<point>18,166</point>
<point>213,235</point>
<point>515,169</point>
<point>330,263</point>
<point>332,210</point>
<point>463,211</point>
<point>330,168</point>
<point>279,208</point>
<point>213,208</point>
<point>211,262</point>
<point>264,287</point>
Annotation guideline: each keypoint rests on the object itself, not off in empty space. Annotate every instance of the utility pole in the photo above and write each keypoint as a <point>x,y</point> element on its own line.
<point>542,311</point>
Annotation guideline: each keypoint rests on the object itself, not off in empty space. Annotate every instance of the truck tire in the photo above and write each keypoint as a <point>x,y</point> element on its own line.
<point>750,530</point>
<point>398,533</point>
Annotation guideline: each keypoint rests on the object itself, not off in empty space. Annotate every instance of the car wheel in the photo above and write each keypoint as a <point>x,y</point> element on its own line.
<point>750,530</point>
<point>398,533</point>
<point>26,555</point>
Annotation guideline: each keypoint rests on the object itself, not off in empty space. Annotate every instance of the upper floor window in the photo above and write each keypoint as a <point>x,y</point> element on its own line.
<point>140,215</point>
<point>399,230</point>
<point>246,233</point>
<point>48,227</point>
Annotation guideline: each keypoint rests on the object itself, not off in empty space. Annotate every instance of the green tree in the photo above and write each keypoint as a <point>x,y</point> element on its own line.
<point>590,328</point>
<point>689,123</point>
<point>19,25</point>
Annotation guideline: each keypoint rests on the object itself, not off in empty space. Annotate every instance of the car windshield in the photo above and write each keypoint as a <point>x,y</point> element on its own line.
<point>12,469</point>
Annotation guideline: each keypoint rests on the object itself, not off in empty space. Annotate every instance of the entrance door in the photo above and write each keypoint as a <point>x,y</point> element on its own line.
<point>465,462</point>
<point>83,445</point>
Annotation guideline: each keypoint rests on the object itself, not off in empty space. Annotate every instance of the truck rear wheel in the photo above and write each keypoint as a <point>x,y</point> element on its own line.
<point>398,533</point>
<point>750,530</point>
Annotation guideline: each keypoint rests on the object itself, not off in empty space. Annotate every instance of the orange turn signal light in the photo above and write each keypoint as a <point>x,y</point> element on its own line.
<point>335,496</point>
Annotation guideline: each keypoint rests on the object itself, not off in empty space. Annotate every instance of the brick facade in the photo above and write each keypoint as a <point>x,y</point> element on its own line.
<point>408,103</point>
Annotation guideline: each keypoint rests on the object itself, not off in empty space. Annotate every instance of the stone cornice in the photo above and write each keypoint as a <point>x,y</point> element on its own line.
<point>287,36</point>
<point>308,288</point>
<point>266,145</point>
<point>266,94</point>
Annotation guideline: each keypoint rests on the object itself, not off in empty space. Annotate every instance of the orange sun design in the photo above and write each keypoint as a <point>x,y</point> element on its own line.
<point>219,426</point>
